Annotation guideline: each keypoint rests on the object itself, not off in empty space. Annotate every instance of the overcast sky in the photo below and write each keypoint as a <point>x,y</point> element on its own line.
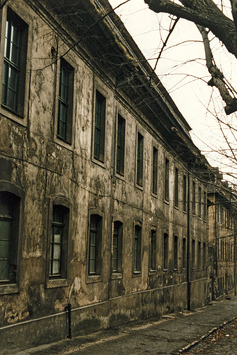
<point>191,95</point>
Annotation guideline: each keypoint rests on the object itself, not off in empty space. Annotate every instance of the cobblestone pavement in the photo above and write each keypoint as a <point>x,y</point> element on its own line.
<point>172,334</point>
<point>222,341</point>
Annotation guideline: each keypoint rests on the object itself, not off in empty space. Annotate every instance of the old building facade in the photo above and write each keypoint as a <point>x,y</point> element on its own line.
<point>103,207</point>
<point>222,237</point>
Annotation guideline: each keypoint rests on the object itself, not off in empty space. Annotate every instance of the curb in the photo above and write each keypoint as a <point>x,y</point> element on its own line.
<point>203,337</point>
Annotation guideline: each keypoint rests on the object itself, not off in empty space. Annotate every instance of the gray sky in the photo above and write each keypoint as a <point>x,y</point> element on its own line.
<point>192,96</point>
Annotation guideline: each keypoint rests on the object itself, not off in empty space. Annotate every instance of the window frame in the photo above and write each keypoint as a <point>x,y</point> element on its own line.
<point>62,279</point>
<point>139,159</point>
<point>154,170</point>
<point>18,193</point>
<point>167,180</point>
<point>175,251</point>
<point>176,187</point>
<point>165,251</point>
<point>120,145</point>
<point>66,102</point>
<point>119,246</point>
<point>20,115</point>
<point>137,249</point>
<point>153,243</point>
<point>184,193</point>
<point>100,100</point>
<point>97,247</point>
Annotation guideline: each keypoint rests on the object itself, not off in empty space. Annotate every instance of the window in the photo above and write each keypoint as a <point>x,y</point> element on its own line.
<point>154,170</point>
<point>139,159</point>
<point>204,255</point>
<point>184,193</point>
<point>199,255</point>
<point>176,188</point>
<point>193,253</point>
<point>95,245</point>
<point>167,179</point>
<point>14,68</point>
<point>153,250</point>
<point>205,207</point>
<point>175,249</point>
<point>184,253</point>
<point>194,198</point>
<point>59,242</point>
<point>120,145</point>
<point>99,132</point>
<point>65,102</point>
<point>165,251</point>
<point>137,249</point>
<point>117,246</point>
<point>199,202</point>
<point>9,230</point>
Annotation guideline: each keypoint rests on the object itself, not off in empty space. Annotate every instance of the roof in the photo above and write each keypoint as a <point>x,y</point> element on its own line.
<point>99,33</point>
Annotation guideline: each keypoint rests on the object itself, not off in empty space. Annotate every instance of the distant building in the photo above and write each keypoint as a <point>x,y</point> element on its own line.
<point>222,219</point>
<point>103,195</point>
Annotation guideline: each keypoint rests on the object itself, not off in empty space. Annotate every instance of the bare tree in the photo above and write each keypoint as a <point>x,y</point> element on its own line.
<point>209,16</point>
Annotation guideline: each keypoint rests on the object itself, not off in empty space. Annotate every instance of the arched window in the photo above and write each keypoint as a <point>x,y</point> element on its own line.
<point>9,235</point>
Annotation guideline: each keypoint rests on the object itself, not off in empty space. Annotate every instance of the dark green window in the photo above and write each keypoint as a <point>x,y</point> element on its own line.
<point>120,145</point>
<point>117,246</point>
<point>154,170</point>
<point>95,244</point>
<point>165,251</point>
<point>153,250</point>
<point>65,102</point>
<point>167,178</point>
<point>139,159</point>
<point>176,188</point>
<point>99,138</point>
<point>58,245</point>
<point>9,226</point>
<point>184,193</point>
<point>175,246</point>
<point>184,253</point>
<point>15,45</point>
<point>137,249</point>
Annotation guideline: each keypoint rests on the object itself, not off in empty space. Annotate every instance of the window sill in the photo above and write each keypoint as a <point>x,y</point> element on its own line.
<point>13,116</point>
<point>98,162</point>
<point>166,202</point>
<point>116,276</point>
<point>139,187</point>
<point>7,289</point>
<point>93,278</point>
<point>63,143</point>
<point>53,283</point>
<point>137,273</point>
<point>152,272</point>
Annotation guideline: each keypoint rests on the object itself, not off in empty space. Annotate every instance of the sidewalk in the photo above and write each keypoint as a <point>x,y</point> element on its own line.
<point>172,334</point>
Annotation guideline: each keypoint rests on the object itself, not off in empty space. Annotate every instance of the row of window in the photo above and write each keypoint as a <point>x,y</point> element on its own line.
<point>58,248</point>
<point>13,98</point>
<point>225,250</point>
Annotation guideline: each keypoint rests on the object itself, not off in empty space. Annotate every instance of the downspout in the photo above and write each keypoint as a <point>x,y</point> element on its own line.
<point>112,193</point>
<point>188,248</point>
<point>235,255</point>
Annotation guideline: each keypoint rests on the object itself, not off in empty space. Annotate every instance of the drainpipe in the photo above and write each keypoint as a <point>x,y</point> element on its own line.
<point>188,247</point>
<point>69,310</point>
<point>235,255</point>
<point>112,192</point>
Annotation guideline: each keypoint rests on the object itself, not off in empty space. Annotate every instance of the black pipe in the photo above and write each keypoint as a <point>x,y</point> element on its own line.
<point>188,247</point>
<point>69,309</point>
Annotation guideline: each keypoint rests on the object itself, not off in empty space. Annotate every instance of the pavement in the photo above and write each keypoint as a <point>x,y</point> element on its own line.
<point>172,334</point>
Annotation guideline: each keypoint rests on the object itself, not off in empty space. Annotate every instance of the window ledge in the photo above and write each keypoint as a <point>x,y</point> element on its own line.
<point>53,283</point>
<point>137,273</point>
<point>8,289</point>
<point>93,278</point>
<point>116,275</point>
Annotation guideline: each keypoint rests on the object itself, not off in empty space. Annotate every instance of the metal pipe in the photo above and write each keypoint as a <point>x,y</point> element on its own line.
<point>188,248</point>
<point>69,312</point>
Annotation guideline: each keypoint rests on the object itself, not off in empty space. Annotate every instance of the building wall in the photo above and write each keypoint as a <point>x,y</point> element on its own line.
<point>44,171</point>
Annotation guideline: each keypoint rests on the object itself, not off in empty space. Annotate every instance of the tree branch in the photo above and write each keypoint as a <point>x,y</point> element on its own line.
<point>217,79</point>
<point>202,13</point>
